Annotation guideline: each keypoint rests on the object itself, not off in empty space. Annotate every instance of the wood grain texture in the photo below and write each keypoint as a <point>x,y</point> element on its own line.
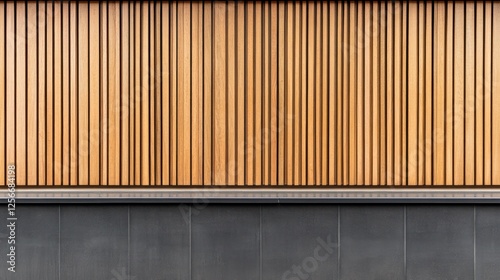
<point>398,92</point>
<point>390,79</point>
<point>449,96</point>
<point>250,93</point>
<point>495,98</point>
<point>3,93</point>
<point>488,44</point>
<point>439,109</point>
<point>10,135</point>
<point>73,93</point>
<point>83,94</point>
<point>479,95</point>
<point>20,89</point>
<point>41,136</point>
<point>94,96</point>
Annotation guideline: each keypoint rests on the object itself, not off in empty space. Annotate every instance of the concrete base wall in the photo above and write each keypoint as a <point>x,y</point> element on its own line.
<point>229,241</point>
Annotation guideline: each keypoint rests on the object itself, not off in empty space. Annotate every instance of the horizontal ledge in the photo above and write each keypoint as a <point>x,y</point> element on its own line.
<point>241,195</point>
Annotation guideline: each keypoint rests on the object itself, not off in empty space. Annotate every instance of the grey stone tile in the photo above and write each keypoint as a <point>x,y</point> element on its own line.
<point>159,242</point>
<point>372,242</point>
<point>225,242</point>
<point>94,242</point>
<point>299,242</point>
<point>487,242</point>
<point>440,242</point>
<point>37,243</point>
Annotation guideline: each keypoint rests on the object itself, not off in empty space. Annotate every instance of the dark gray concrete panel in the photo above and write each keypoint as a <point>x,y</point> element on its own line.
<point>37,243</point>
<point>225,242</point>
<point>299,242</point>
<point>159,242</point>
<point>440,242</point>
<point>94,242</point>
<point>372,242</point>
<point>487,242</point>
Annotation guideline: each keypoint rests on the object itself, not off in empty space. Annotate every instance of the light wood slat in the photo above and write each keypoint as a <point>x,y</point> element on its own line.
<point>131,102</point>
<point>240,92</point>
<point>294,72</point>
<point>309,103</point>
<point>345,95</point>
<point>317,95</point>
<point>383,94</point>
<point>208,100</point>
<point>368,82</point>
<point>398,93</point>
<point>21,108</point>
<point>479,95</point>
<point>429,140</point>
<point>259,85</point>
<point>488,24</point>
<point>144,92</point>
<point>420,160</point>
<point>158,96</point>
<point>495,102</point>
<point>3,93</point>
<point>405,94</point>
<point>273,126</point>
<point>390,94</point>
<point>459,95</point>
<point>287,113</point>
<point>220,101</point>
<point>313,98</point>
<point>250,93</point>
<point>439,109</point>
<point>350,97</point>
<point>95,94</point>
<point>83,94</point>
<point>280,103</point>
<point>266,74</point>
<point>197,105</point>
<point>151,76</point>
<point>332,53</point>
<point>57,91</point>
<point>303,96</point>
<point>449,87</point>
<point>231,124</point>
<point>251,86</point>
<point>375,95</point>
<point>413,93</point>
<point>10,59</point>
<point>173,93</point>
<point>50,86</point>
<point>338,95</point>
<point>73,106</point>
<point>470,94</point>
<point>124,104</point>
<point>163,80</point>
<point>360,41</point>
<point>41,94</point>
<point>32,95</point>
<point>114,89</point>
<point>104,135</point>
<point>324,153</point>
<point>132,94</point>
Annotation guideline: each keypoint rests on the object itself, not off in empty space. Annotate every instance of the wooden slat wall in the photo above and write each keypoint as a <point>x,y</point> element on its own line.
<point>250,93</point>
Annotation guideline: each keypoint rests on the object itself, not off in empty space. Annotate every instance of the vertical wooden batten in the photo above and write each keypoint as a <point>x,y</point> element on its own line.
<point>250,93</point>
